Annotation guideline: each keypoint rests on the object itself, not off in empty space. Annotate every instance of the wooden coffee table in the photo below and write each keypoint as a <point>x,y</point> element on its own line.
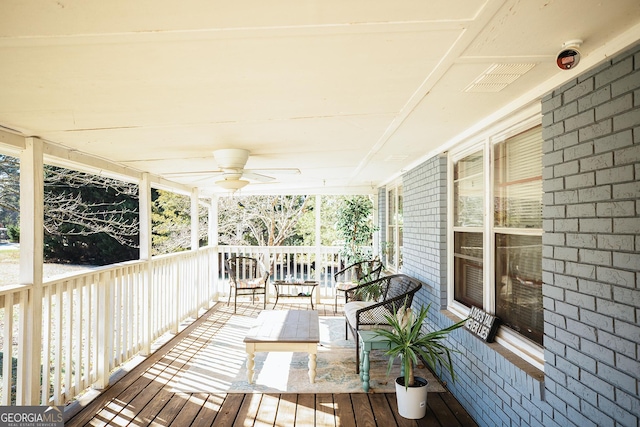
<point>284,330</point>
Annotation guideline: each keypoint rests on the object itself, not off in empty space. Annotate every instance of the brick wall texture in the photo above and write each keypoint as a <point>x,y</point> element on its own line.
<point>425,227</point>
<point>591,170</point>
<point>591,261</point>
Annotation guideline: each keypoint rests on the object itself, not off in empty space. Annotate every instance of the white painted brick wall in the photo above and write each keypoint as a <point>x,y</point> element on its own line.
<point>591,275</point>
<point>591,261</point>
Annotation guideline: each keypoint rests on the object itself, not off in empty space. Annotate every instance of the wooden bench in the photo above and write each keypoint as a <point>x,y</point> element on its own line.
<point>392,293</point>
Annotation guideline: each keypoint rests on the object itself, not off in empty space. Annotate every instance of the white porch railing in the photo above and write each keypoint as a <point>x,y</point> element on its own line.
<point>299,262</point>
<point>95,321</point>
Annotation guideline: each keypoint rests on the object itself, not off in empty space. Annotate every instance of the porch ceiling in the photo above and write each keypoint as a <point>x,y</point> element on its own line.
<point>349,92</point>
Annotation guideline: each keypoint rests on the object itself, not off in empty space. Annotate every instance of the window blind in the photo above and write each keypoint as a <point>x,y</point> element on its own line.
<point>518,181</point>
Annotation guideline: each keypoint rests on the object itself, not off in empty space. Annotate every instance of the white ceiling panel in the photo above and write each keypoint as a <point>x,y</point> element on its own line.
<point>351,93</point>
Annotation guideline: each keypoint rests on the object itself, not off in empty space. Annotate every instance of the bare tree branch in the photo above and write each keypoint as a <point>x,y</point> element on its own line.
<point>268,220</point>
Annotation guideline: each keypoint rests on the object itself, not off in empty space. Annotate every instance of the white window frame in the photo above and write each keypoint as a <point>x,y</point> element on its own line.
<point>528,350</point>
<point>397,188</point>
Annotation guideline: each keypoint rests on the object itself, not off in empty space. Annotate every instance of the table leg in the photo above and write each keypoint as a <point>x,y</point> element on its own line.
<point>250,362</point>
<point>312,367</point>
<point>361,358</point>
<point>365,371</point>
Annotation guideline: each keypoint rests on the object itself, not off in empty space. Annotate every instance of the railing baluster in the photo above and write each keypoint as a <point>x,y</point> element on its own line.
<point>86,359</point>
<point>7,349</point>
<point>68,349</point>
<point>77,342</point>
<point>105,335</point>
<point>176,293</point>
<point>57,369</point>
<point>21,370</point>
<point>46,344</point>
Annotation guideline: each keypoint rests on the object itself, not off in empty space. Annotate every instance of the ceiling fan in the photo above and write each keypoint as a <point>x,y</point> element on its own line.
<point>231,162</point>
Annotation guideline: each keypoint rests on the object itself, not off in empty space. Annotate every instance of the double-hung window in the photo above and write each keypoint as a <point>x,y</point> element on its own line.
<point>497,231</point>
<point>469,194</point>
<point>393,246</point>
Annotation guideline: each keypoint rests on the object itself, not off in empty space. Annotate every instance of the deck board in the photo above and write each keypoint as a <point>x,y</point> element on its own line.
<point>305,410</point>
<point>325,410</point>
<point>383,413</point>
<point>140,397</point>
<point>267,410</point>
<point>286,414</point>
<point>170,411</point>
<point>344,411</point>
<point>362,410</point>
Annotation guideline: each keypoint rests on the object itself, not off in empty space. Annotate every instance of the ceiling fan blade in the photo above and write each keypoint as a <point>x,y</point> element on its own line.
<point>257,176</point>
<point>282,171</point>
<point>185,174</point>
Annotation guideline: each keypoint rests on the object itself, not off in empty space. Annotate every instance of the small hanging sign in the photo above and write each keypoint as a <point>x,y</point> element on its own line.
<point>482,324</point>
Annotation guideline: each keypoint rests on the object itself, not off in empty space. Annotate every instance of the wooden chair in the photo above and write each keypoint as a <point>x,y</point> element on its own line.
<point>354,274</point>
<point>247,276</point>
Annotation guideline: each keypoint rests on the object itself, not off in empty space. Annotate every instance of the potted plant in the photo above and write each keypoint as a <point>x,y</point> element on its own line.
<point>355,225</point>
<point>409,341</point>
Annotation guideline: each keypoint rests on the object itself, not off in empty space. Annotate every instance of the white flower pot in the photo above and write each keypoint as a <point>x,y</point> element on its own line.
<point>412,401</point>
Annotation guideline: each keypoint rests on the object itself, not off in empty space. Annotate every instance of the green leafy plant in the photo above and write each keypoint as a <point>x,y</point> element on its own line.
<point>13,231</point>
<point>409,341</point>
<point>371,292</point>
<point>355,225</point>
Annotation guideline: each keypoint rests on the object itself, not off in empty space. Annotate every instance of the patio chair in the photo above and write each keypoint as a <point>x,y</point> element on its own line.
<point>247,276</point>
<point>392,292</point>
<point>354,274</point>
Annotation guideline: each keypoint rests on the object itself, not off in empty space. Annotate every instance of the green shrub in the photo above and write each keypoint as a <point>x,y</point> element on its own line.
<point>13,231</point>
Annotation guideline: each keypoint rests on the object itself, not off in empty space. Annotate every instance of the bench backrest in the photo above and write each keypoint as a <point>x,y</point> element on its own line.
<point>396,291</point>
<point>360,272</point>
<point>400,291</point>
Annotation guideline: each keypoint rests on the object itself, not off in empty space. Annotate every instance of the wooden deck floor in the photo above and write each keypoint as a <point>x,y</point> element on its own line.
<point>140,397</point>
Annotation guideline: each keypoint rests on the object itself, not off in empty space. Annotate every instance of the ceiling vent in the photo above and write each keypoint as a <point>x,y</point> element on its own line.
<point>497,77</point>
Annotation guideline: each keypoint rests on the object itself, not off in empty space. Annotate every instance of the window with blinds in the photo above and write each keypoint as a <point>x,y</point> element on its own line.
<point>468,207</point>
<point>393,246</point>
<point>518,181</point>
<point>519,284</point>
<point>468,270</point>
<point>391,228</point>
<point>514,264</point>
<point>468,188</point>
<point>518,233</point>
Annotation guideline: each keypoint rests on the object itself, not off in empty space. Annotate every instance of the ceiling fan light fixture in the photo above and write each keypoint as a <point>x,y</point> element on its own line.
<point>231,158</point>
<point>232,184</point>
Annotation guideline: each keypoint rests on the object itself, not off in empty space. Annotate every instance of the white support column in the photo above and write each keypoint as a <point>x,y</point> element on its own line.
<point>213,243</point>
<point>195,246</point>
<point>144,200</point>
<point>31,260</point>
<point>318,246</point>
<point>195,221</point>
